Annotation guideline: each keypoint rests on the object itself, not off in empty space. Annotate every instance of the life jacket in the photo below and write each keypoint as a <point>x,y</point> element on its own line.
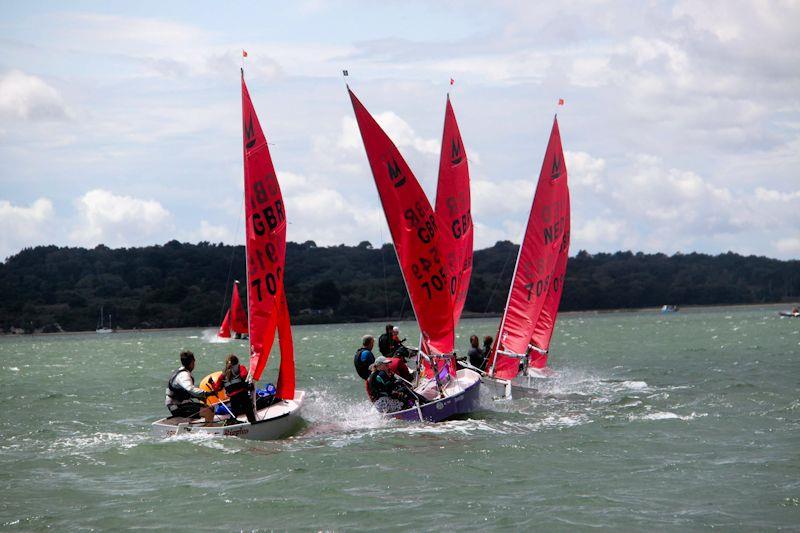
<point>176,393</point>
<point>237,382</point>
<point>362,365</point>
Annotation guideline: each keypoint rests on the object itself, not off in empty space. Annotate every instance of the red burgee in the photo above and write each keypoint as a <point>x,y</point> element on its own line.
<point>543,331</point>
<point>244,53</point>
<point>238,314</point>
<point>453,209</point>
<point>225,329</point>
<point>285,386</point>
<point>540,248</point>
<point>265,237</point>
<point>416,235</point>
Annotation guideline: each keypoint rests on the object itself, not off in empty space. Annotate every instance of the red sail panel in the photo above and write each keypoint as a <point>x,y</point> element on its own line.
<point>543,331</point>
<point>285,386</point>
<point>238,314</point>
<point>453,209</point>
<point>537,259</point>
<point>265,237</point>
<point>416,235</point>
<point>225,328</point>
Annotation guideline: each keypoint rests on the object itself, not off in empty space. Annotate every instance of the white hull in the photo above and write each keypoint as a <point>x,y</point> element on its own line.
<point>104,330</point>
<point>519,387</point>
<point>274,422</point>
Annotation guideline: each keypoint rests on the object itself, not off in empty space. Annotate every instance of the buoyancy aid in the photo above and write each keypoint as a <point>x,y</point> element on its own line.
<point>362,361</point>
<point>176,393</point>
<point>237,382</point>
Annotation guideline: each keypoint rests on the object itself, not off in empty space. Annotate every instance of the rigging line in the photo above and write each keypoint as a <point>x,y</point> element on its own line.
<point>230,264</point>
<point>497,281</point>
<point>383,263</point>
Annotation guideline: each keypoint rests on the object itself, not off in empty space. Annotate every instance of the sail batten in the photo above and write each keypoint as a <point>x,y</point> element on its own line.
<point>546,240</point>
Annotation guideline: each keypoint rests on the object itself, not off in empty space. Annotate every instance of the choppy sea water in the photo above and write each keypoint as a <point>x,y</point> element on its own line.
<point>681,421</point>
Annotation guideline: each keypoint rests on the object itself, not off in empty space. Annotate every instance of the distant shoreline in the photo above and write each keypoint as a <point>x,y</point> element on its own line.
<point>470,316</point>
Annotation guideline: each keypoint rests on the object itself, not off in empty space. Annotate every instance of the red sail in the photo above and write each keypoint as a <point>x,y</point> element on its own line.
<point>285,387</point>
<point>547,318</point>
<point>238,314</point>
<point>453,208</point>
<point>536,262</point>
<point>417,240</point>
<point>265,237</point>
<point>225,328</point>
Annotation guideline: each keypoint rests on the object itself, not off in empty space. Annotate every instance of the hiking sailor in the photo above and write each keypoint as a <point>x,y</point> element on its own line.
<point>364,356</point>
<point>387,393</point>
<point>182,392</point>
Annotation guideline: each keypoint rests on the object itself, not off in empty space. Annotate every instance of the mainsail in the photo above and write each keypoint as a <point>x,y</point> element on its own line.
<point>265,244</point>
<point>225,328</point>
<point>417,239</point>
<point>453,210</point>
<point>237,313</point>
<point>545,237</point>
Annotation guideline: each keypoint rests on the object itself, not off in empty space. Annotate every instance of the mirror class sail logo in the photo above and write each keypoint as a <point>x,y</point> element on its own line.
<point>395,174</point>
<point>250,133</point>
<point>455,151</point>
<point>555,172</point>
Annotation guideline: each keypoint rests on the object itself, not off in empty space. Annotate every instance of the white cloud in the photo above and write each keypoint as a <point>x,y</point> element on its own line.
<point>211,233</point>
<point>789,247</point>
<point>114,220</point>
<point>28,97</point>
<point>25,226</point>
<point>399,131</point>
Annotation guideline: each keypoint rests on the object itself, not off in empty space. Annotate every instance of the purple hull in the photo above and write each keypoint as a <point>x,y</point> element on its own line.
<point>459,403</point>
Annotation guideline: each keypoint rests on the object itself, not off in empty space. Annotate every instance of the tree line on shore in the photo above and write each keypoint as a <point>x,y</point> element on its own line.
<point>50,288</point>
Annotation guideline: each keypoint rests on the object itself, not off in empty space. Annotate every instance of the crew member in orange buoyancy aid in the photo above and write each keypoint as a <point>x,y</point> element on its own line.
<point>234,381</point>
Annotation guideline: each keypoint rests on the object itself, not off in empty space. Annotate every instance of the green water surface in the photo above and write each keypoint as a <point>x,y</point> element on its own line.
<point>665,422</point>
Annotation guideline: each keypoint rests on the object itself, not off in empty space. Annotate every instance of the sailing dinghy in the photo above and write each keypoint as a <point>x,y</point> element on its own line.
<point>431,278</point>
<point>521,348</point>
<point>236,318</point>
<point>266,257</point>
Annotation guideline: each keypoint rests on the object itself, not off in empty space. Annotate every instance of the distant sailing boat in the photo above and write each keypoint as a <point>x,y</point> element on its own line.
<point>522,344</point>
<point>101,328</point>
<point>265,247</point>
<point>235,318</point>
<point>431,278</point>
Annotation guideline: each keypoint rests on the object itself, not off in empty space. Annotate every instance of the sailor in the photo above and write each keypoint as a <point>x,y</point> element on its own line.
<point>182,392</point>
<point>396,347</point>
<point>386,393</point>
<point>385,341</point>
<point>475,354</point>
<point>364,356</point>
<point>234,381</point>
<point>487,349</point>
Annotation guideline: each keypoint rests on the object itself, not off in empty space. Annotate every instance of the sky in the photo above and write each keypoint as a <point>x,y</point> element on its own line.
<point>120,121</point>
